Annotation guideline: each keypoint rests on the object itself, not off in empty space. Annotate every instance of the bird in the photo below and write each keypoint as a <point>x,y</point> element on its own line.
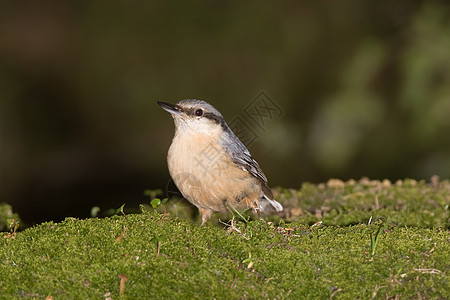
<point>210,166</point>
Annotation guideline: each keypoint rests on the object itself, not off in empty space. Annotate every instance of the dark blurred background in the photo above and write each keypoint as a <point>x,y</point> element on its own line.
<point>364,89</point>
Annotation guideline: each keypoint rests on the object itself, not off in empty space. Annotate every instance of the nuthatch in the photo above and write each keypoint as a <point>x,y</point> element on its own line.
<point>210,165</point>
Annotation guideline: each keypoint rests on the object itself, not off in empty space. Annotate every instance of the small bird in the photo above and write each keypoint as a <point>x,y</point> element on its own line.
<point>210,165</point>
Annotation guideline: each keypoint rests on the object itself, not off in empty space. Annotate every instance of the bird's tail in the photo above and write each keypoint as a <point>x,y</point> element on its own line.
<point>269,205</point>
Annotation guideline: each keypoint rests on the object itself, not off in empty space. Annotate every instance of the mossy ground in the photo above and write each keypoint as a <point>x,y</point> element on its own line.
<point>290,257</point>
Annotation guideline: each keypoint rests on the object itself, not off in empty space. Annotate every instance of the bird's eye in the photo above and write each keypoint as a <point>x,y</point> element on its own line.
<point>199,112</point>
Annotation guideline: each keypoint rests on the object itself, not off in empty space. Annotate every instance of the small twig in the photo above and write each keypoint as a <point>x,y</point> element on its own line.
<point>336,291</point>
<point>231,226</point>
<point>430,251</point>
<point>157,251</point>
<point>375,291</point>
<point>122,235</point>
<point>269,279</point>
<point>317,224</point>
<point>232,284</point>
<point>429,271</point>
<point>235,276</point>
<point>123,279</point>
<point>120,209</point>
<point>352,195</point>
<point>126,218</point>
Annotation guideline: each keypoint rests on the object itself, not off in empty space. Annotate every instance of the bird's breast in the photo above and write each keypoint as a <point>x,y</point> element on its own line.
<point>205,174</point>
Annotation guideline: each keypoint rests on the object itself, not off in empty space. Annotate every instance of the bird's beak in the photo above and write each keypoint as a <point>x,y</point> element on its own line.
<point>170,108</point>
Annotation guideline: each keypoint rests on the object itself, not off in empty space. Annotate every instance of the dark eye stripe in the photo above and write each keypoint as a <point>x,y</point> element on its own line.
<point>213,117</point>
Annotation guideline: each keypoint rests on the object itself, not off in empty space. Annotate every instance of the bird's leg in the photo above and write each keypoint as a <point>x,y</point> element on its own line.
<point>255,207</point>
<point>205,213</point>
<point>258,213</point>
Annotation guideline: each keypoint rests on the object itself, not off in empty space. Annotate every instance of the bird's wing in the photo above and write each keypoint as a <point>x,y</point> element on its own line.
<point>240,155</point>
<point>246,162</point>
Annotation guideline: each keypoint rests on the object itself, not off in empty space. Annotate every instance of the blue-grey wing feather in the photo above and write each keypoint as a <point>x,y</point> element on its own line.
<point>241,156</point>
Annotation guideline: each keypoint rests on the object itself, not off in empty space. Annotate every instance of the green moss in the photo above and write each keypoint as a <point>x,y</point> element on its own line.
<point>8,219</point>
<point>407,203</point>
<point>80,259</point>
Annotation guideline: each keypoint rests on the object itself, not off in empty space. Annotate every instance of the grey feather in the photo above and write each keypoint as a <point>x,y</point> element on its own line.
<point>241,156</point>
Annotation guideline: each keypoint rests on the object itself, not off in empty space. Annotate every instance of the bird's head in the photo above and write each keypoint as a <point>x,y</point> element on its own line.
<point>192,115</point>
